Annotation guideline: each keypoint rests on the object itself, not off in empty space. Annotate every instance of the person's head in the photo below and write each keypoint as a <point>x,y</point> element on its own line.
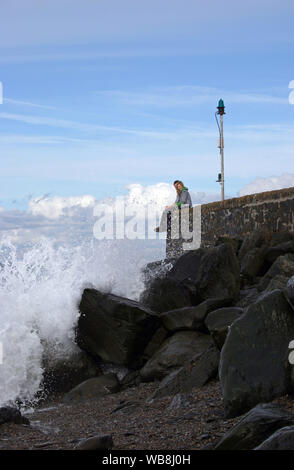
<point>178,185</point>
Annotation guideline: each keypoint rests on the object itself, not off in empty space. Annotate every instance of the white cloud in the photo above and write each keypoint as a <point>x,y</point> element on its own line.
<point>54,207</point>
<point>271,183</point>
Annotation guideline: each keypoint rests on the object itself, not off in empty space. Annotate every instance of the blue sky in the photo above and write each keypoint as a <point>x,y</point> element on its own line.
<point>102,94</point>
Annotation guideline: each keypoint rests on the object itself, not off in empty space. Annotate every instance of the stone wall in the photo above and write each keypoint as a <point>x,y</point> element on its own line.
<point>271,210</point>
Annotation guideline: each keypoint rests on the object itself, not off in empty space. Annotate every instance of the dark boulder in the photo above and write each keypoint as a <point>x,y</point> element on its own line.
<point>173,353</point>
<point>9,414</point>
<point>114,328</point>
<point>194,374</point>
<point>254,359</point>
<point>214,272</point>
<point>65,374</point>
<point>282,267</point>
<point>255,427</point>
<point>282,439</point>
<point>163,294</point>
<point>93,389</point>
<point>219,321</point>
<point>191,318</point>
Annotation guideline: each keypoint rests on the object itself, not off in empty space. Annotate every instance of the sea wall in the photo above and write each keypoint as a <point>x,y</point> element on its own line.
<point>271,211</point>
<point>239,216</point>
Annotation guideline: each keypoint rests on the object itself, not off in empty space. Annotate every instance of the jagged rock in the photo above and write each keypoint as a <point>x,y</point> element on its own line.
<point>173,353</point>
<point>93,388</point>
<point>255,427</point>
<point>114,328</point>
<point>234,241</point>
<point>255,240</point>
<point>290,289</point>
<point>219,321</point>
<point>283,266</point>
<point>252,263</point>
<point>247,297</point>
<point>191,318</point>
<point>214,272</point>
<point>277,282</point>
<point>195,373</point>
<point>282,439</point>
<point>100,442</point>
<point>131,379</point>
<point>274,252</point>
<point>165,294</point>
<point>66,374</point>
<point>155,342</point>
<point>254,359</point>
<point>9,414</point>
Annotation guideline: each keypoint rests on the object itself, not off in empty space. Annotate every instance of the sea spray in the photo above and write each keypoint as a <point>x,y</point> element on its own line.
<point>41,286</point>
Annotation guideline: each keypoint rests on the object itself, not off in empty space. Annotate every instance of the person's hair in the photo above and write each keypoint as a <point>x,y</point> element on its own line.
<point>178,181</point>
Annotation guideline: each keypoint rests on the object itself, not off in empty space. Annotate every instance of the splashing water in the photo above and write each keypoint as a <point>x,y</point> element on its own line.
<point>41,286</point>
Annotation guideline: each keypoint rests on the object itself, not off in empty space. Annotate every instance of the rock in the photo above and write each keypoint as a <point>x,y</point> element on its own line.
<point>194,374</point>
<point>283,266</point>
<point>179,401</point>
<point>255,240</point>
<point>247,297</point>
<point>290,289</point>
<point>155,342</point>
<point>252,263</point>
<point>66,374</point>
<point>234,241</point>
<point>93,388</point>
<point>282,439</point>
<point>126,407</point>
<point>191,318</point>
<point>214,272</point>
<point>131,379</point>
<point>277,282</point>
<point>114,328</point>
<point>9,414</point>
<point>173,353</point>
<point>255,427</point>
<point>219,321</point>
<point>254,359</point>
<point>165,294</point>
<point>274,252</point>
<point>157,269</point>
<point>100,442</point>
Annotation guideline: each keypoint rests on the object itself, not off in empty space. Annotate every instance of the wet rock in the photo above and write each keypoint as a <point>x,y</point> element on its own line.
<point>93,388</point>
<point>164,294</point>
<point>254,359</point>
<point>114,328</point>
<point>219,321</point>
<point>100,442</point>
<point>191,318</point>
<point>195,373</point>
<point>255,427</point>
<point>173,353</point>
<point>282,439</point>
<point>283,266</point>
<point>214,272</point>
<point>9,414</point>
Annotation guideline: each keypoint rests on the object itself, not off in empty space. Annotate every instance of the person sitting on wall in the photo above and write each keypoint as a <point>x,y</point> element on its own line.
<point>183,198</point>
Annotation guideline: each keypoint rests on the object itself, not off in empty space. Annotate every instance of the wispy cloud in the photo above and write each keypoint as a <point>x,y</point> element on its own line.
<point>187,96</point>
<point>26,103</point>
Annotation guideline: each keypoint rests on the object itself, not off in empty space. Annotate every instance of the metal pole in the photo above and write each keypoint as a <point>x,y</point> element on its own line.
<point>222,156</point>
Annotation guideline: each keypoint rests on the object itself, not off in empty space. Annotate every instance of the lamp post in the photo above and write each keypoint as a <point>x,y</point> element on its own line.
<point>221,111</point>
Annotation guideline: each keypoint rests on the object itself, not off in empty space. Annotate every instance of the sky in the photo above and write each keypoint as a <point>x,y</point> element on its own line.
<point>99,95</point>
